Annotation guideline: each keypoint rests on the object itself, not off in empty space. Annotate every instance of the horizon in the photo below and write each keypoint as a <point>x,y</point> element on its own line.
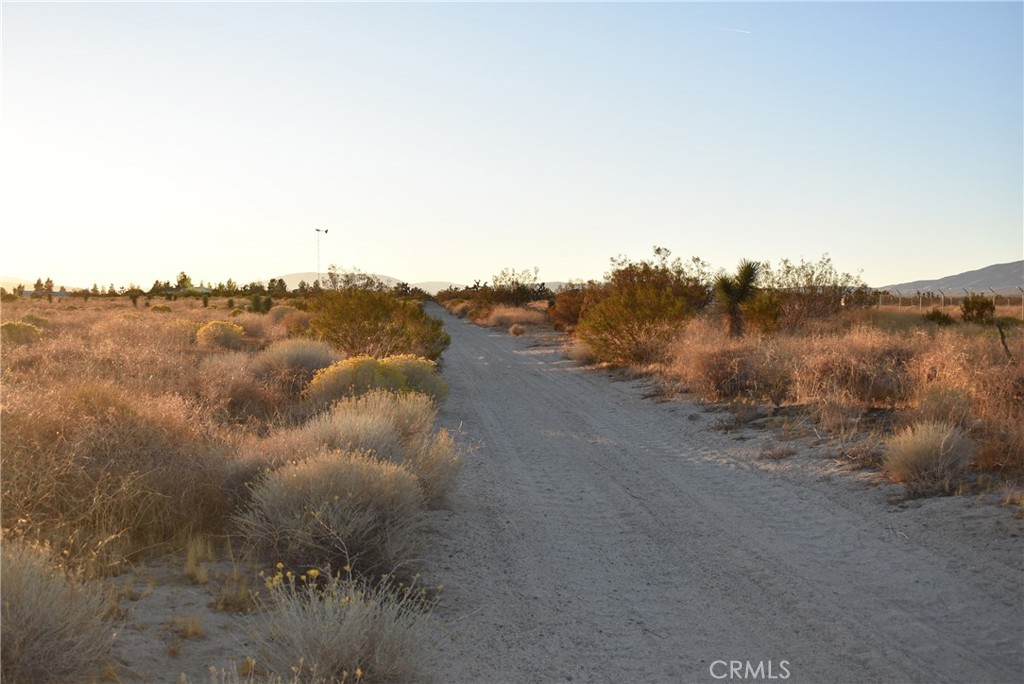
<point>448,142</point>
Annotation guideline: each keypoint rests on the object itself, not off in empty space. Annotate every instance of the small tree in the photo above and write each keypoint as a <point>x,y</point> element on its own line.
<point>977,309</point>
<point>734,291</point>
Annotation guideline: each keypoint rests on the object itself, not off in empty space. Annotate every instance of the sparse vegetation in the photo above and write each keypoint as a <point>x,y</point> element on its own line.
<point>156,444</point>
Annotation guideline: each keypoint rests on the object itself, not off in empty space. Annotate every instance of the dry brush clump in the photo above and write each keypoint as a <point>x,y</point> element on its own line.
<point>337,508</point>
<point>393,427</point>
<point>929,456</point>
<point>54,627</point>
<point>104,474</point>
<point>333,627</point>
<point>959,376</point>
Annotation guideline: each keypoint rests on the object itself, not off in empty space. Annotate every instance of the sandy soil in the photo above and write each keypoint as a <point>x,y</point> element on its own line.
<point>599,535</point>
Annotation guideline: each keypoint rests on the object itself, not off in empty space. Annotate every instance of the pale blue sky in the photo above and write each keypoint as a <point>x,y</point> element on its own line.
<point>449,141</point>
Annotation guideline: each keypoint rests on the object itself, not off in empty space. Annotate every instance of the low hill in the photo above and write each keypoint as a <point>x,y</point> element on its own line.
<point>1003,278</point>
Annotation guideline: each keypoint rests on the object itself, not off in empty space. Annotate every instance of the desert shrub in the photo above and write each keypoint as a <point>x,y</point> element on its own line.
<point>342,629</point>
<point>280,312</point>
<point>396,428</point>
<point>336,508</point>
<point>221,334</point>
<point>504,316</point>
<point>568,307</point>
<point>53,626</point>
<point>375,323</point>
<point>16,332</point>
<point>640,308</point>
<point>928,456</point>
<point>810,290</point>
<point>939,317</point>
<point>236,312</point>
<point>254,324</point>
<point>764,312</point>
<point>516,330</point>
<point>37,321</point>
<point>579,352</point>
<point>231,391</point>
<point>977,309</point>
<point>361,374</point>
<point>293,362</point>
<point>419,375</point>
<point>160,308</point>
<point>105,474</point>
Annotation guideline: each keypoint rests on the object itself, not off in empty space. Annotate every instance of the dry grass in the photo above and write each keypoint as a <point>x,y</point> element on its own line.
<point>53,627</point>
<point>506,316</point>
<point>928,456</point>
<point>843,370</point>
<point>105,474</point>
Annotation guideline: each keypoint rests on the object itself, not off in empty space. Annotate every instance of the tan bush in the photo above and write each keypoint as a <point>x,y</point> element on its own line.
<point>336,508</point>
<point>505,316</point>
<point>928,456</point>
<point>293,362</point>
<point>106,474</point>
<point>221,334</point>
<point>53,627</point>
<point>345,630</point>
<point>396,428</point>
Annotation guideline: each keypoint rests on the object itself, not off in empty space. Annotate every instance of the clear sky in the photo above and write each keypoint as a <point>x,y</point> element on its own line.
<point>450,141</point>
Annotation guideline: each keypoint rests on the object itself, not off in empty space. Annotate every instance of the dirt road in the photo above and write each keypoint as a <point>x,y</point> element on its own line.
<point>600,536</point>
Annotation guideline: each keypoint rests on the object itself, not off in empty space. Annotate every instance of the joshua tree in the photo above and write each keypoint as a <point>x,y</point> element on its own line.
<point>733,291</point>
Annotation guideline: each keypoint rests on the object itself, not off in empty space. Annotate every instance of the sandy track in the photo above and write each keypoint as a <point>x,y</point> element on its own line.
<point>599,536</point>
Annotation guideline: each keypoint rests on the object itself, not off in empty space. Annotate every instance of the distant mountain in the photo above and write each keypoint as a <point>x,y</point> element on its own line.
<point>431,286</point>
<point>1003,278</point>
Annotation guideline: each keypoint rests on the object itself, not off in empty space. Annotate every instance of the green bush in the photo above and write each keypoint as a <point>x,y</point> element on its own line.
<point>160,308</point>
<point>375,323</point>
<point>939,317</point>
<point>15,332</point>
<point>977,309</point>
<point>640,308</point>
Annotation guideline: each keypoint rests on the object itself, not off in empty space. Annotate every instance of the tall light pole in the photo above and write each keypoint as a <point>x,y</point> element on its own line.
<point>318,277</point>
